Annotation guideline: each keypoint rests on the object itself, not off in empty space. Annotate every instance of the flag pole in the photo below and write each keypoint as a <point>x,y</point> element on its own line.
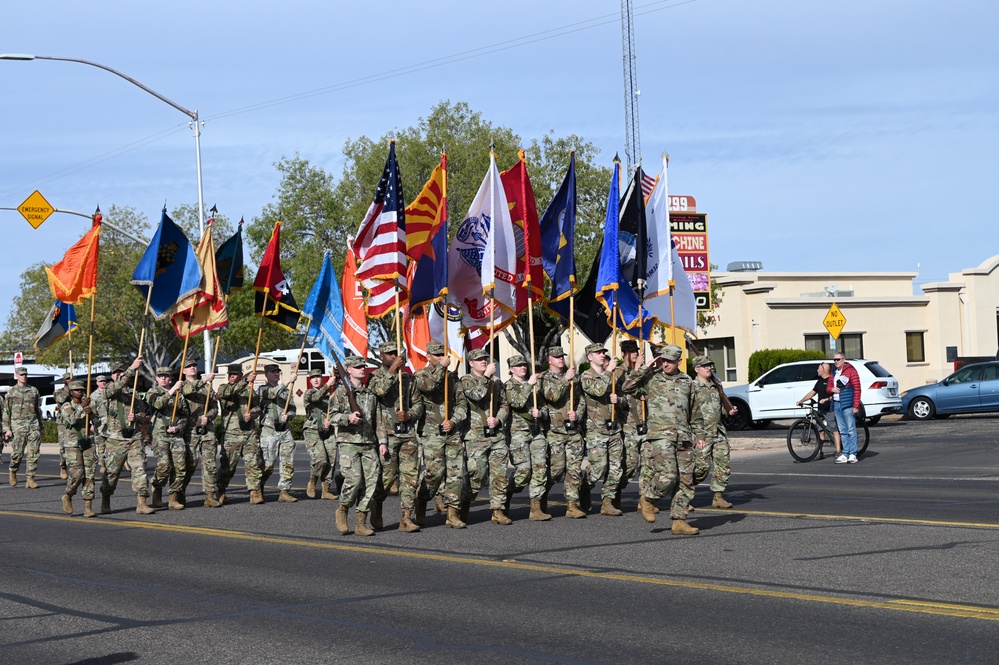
<point>183,356</point>
<point>142,341</point>
<point>301,352</point>
<point>527,275</point>
<point>256,353</point>
<point>614,346</point>
<point>398,340</point>
<point>447,353</point>
<point>90,358</point>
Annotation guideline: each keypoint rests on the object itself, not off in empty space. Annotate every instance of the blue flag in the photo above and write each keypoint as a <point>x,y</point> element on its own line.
<point>229,262</point>
<point>324,308</point>
<point>169,267</point>
<point>558,233</point>
<point>611,286</point>
<point>60,321</point>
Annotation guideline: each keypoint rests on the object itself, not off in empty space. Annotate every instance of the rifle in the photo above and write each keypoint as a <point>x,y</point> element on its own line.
<point>726,404</point>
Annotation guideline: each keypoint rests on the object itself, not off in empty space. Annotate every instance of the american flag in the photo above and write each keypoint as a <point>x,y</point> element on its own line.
<point>648,184</point>
<point>380,245</point>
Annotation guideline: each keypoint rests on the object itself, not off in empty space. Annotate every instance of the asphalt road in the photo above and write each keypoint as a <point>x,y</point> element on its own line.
<point>892,560</point>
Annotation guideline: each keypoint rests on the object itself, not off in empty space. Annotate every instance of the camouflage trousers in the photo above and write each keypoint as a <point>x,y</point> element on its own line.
<point>632,454</point>
<point>25,444</point>
<point>81,462</point>
<point>487,457</point>
<point>606,455</point>
<point>171,461</point>
<point>565,454</point>
<point>529,458</point>
<point>322,454</point>
<point>202,449</point>
<point>717,451</point>
<point>406,469</point>
<point>361,469</point>
<point>237,447</point>
<point>670,473</point>
<point>444,468</point>
<point>278,447</point>
<point>101,443</point>
<point>116,452</point>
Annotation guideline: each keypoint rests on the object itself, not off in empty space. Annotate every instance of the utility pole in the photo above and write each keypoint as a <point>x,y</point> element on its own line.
<point>632,145</point>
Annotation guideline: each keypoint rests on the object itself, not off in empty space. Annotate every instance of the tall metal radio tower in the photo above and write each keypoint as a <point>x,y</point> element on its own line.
<point>632,146</point>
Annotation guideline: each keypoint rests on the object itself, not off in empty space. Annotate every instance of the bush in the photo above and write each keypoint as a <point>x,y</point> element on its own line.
<point>765,360</point>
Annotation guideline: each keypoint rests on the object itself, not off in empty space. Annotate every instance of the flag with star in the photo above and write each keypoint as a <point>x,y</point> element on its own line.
<point>169,270</point>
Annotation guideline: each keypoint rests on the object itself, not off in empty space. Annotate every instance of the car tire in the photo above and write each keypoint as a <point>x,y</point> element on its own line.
<point>741,419</point>
<point>759,424</point>
<point>921,408</point>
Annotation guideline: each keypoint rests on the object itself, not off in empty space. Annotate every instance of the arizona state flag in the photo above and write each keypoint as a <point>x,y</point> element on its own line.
<point>274,300</point>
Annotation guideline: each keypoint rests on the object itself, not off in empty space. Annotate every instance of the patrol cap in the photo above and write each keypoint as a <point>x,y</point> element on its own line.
<point>76,385</point>
<point>669,352</point>
<point>67,376</point>
<point>101,377</point>
<point>478,354</point>
<point>272,367</point>
<point>355,361</point>
<point>315,373</point>
<point>629,346</point>
<point>22,370</point>
<point>235,368</point>
<point>702,361</point>
<point>516,360</point>
<point>593,348</point>
<point>191,363</point>
<point>119,367</point>
<point>387,347</point>
<point>435,349</point>
<point>164,371</point>
<point>556,351</point>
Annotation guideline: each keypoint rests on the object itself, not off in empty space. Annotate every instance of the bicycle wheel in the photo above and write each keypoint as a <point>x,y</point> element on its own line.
<point>863,438</point>
<point>803,440</point>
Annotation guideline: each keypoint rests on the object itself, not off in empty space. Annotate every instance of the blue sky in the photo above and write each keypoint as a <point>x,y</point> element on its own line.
<point>855,136</point>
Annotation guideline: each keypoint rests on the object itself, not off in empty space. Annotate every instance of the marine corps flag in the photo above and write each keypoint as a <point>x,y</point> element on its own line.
<point>274,300</point>
<point>75,277</point>
<point>60,321</point>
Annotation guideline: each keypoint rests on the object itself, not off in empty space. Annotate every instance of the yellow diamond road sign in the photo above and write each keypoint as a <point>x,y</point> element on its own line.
<point>834,321</point>
<point>35,209</point>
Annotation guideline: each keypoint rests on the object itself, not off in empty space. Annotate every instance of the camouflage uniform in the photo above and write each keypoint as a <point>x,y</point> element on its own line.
<point>98,414</point>
<point>707,425</point>
<point>443,455</point>
<point>565,447</point>
<point>669,399</point>
<point>320,443</point>
<point>239,438</point>
<point>404,449</point>
<point>170,448</point>
<point>201,443</point>
<point>123,441</point>
<point>486,455</point>
<point>22,415</point>
<point>528,451</point>
<point>78,449</point>
<point>604,444</point>
<point>635,448</point>
<point>61,397</point>
<point>358,447</point>
<point>276,442</point>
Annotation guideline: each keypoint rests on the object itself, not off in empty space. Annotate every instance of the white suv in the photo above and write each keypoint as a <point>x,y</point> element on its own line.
<point>773,395</point>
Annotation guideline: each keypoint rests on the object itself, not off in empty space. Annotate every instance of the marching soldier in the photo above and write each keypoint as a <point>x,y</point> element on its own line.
<point>443,453</point>
<point>100,413</point>
<point>485,443</point>
<point>668,397</point>
<point>528,447</point>
<point>276,442</point>
<point>604,439</point>
<point>79,450</point>
<point>61,397</point>
<point>635,428</point>
<point>566,414</point>
<point>199,433</point>
<point>318,433</point>
<point>710,437</point>
<point>123,439</point>
<point>22,427</point>
<point>168,438</point>
<point>239,433</point>
<point>359,447</point>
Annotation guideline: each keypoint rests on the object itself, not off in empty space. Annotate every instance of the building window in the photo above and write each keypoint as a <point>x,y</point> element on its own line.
<point>915,352</point>
<point>850,344</point>
<point>818,343</point>
<point>722,353</point>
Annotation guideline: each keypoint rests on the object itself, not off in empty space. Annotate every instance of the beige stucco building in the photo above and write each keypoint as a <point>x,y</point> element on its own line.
<point>915,337</point>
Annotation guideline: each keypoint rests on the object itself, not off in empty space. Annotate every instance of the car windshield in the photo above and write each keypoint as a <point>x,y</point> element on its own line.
<point>876,369</point>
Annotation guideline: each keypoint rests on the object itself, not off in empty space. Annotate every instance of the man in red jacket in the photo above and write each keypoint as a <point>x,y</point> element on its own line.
<point>844,385</point>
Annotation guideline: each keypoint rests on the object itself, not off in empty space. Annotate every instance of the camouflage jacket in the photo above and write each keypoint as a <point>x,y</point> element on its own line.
<point>98,411</point>
<point>363,433</point>
<point>635,415</point>
<point>73,417</point>
<point>22,409</point>
<point>430,385</point>
<point>385,386</point>
<point>194,393</point>
<point>520,398</point>
<point>597,391</point>
<point>706,417</point>
<point>161,402</point>
<point>668,400</point>
<point>556,390</point>
<point>117,401</point>
<point>233,398</point>
<point>317,405</point>
<point>476,390</point>
<point>272,400</point>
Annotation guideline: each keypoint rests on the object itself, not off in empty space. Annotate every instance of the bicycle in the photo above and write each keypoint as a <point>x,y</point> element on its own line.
<point>804,440</point>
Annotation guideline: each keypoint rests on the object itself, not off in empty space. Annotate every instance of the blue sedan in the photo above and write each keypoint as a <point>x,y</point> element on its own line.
<point>971,389</point>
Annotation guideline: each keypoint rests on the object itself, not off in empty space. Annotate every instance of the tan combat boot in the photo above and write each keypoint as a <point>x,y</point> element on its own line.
<point>538,515</point>
<point>681,528</point>
<point>421,512</point>
<point>501,519</point>
<point>327,494</point>
<point>211,502</point>
<point>88,508</point>
<point>607,508</point>
<point>361,527</point>
<point>63,473</point>
<point>105,504</point>
<point>394,490</point>
<point>406,524</point>
<point>285,497</point>
<point>310,489</point>
<point>453,521</point>
<point>220,497</point>
<point>256,497</point>
<point>142,506</point>
<point>182,498</point>
<point>439,504</point>
<point>157,497</point>
<point>174,502</point>
<point>376,515</point>
<point>646,510</point>
<point>67,504</point>
<point>340,519</point>
<point>572,510</point>
<point>719,501</point>
<point>13,478</point>
<point>31,484</point>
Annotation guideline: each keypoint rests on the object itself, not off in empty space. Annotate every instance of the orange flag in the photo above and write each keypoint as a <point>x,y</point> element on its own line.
<point>355,323</point>
<point>75,277</point>
<point>415,330</point>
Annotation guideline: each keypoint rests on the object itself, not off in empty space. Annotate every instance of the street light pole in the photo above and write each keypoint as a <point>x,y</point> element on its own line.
<point>194,123</point>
